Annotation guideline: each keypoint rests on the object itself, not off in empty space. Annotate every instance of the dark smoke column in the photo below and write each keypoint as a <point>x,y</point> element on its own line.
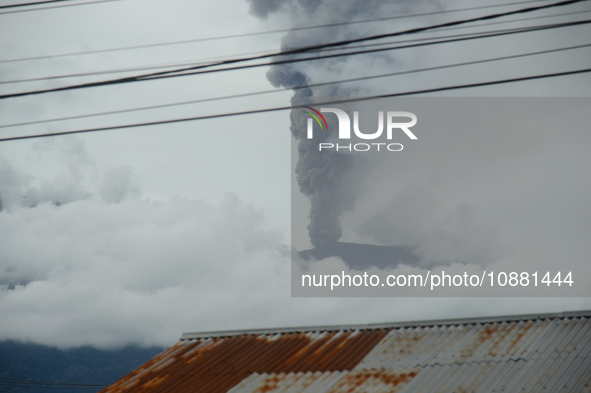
<point>321,176</point>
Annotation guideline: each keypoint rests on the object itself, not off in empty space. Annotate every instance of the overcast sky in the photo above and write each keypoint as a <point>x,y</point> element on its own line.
<point>141,234</point>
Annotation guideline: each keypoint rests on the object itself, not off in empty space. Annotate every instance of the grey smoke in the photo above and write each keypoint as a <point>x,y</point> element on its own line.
<point>322,177</point>
<point>262,8</point>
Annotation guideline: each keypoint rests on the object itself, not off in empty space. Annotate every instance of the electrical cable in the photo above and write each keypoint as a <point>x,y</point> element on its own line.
<point>387,35</point>
<point>314,85</point>
<point>276,109</point>
<point>56,6</point>
<point>130,69</point>
<point>200,69</point>
<point>29,4</point>
<point>204,61</point>
<point>262,32</point>
<point>515,20</point>
<point>430,40</point>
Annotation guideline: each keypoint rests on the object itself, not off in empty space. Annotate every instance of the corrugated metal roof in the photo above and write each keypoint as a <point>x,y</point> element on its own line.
<point>524,353</point>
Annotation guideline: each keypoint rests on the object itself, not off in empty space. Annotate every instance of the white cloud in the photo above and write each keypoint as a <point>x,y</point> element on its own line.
<point>108,273</point>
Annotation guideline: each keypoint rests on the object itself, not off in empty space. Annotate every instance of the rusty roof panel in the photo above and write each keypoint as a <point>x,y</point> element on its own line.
<point>359,381</point>
<point>318,382</point>
<point>375,381</point>
<point>521,375</point>
<point>547,353</point>
<point>201,362</point>
<point>490,342</point>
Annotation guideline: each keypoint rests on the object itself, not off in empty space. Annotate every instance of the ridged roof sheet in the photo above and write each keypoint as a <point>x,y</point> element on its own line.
<point>527,354</point>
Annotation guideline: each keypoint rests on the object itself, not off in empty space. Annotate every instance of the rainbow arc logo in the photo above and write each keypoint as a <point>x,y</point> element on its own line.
<point>313,114</point>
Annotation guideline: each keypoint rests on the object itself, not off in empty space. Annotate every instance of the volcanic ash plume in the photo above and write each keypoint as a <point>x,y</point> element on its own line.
<point>323,178</point>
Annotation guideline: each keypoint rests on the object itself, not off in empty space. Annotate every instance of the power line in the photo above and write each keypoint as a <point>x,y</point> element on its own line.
<point>440,39</point>
<point>263,32</point>
<point>204,61</point>
<point>129,69</point>
<point>29,4</point>
<point>52,7</point>
<point>314,85</point>
<point>516,20</point>
<point>386,35</point>
<point>202,69</point>
<point>277,109</point>
<point>307,49</point>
